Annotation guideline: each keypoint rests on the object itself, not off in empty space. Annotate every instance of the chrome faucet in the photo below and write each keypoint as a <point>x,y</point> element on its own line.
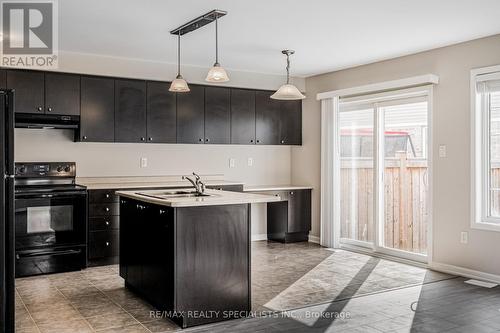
<point>197,183</point>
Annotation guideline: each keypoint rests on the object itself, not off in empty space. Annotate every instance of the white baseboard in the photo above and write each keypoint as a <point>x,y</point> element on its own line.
<point>465,272</point>
<point>259,237</point>
<point>313,239</point>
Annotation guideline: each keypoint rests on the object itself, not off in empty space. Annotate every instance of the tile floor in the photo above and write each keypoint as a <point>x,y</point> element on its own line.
<point>299,278</point>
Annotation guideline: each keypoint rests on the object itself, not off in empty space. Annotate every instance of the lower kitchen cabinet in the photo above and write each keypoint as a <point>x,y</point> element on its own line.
<point>289,220</point>
<point>104,224</point>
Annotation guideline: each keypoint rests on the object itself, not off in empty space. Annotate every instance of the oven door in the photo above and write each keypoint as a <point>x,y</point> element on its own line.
<point>50,219</point>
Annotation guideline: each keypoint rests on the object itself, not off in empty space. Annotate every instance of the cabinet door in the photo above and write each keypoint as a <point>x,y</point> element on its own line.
<point>267,119</point>
<point>190,115</point>
<point>130,111</point>
<point>29,86</point>
<point>62,94</point>
<point>299,211</point>
<point>161,113</point>
<point>3,79</point>
<point>217,115</point>
<point>291,122</point>
<point>97,120</point>
<point>242,116</point>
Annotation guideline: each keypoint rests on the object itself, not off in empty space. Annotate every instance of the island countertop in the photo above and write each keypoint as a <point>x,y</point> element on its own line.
<point>214,198</point>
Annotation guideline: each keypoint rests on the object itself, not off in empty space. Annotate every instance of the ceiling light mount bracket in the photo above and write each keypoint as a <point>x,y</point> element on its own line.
<point>199,22</point>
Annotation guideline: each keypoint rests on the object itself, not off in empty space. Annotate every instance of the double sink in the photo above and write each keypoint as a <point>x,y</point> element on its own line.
<point>163,195</point>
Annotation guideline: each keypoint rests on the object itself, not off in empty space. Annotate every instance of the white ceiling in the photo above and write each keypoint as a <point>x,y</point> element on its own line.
<point>326,34</point>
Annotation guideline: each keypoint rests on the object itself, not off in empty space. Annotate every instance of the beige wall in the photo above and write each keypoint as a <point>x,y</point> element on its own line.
<point>450,126</point>
<point>271,164</point>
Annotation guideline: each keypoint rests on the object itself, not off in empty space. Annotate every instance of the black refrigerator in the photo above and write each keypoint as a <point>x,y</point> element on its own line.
<point>7,232</point>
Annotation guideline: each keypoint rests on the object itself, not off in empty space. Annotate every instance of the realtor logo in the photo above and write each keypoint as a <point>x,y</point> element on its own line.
<point>29,34</point>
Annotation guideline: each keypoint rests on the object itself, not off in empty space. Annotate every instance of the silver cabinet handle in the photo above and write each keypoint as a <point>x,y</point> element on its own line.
<point>291,193</point>
<point>207,140</point>
<point>107,222</point>
<point>39,108</point>
<point>49,109</point>
<point>162,211</point>
<point>143,139</point>
<point>84,137</point>
<point>107,195</point>
<point>107,243</point>
<point>141,207</point>
<point>150,139</point>
<point>106,209</point>
<point>201,140</point>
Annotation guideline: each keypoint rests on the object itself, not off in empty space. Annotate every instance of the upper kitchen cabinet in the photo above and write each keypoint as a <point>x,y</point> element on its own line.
<point>29,87</point>
<point>62,94</point>
<point>242,116</point>
<point>3,79</point>
<point>267,119</point>
<point>130,111</point>
<point>217,115</point>
<point>291,122</point>
<point>190,115</point>
<point>97,120</point>
<point>161,113</point>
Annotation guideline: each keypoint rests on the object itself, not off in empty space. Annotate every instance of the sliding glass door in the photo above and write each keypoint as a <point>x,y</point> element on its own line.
<point>384,173</point>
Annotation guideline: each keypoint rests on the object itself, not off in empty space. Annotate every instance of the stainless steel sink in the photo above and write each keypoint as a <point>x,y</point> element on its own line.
<point>173,194</point>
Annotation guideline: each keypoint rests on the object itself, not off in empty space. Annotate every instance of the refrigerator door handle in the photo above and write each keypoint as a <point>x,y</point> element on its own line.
<point>9,133</point>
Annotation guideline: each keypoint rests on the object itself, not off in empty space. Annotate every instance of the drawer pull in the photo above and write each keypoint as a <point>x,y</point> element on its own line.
<point>140,207</point>
<point>107,243</point>
<point>107,195</point>
<point>107,222</point>
<point>162,211</point>
<point>291,193</point>
<point>106,209</point>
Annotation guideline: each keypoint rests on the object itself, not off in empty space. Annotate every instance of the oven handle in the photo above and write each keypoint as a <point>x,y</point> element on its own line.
<point>52,195</point>
<point>45,253</point>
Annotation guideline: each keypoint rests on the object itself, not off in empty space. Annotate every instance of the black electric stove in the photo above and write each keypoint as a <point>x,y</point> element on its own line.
<point>50,218</point>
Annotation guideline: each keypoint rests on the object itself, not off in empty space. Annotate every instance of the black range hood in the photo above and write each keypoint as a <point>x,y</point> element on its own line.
<point>39,121</point>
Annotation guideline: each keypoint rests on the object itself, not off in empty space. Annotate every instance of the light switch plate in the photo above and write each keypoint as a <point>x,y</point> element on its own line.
<point>232,162</point>
<point>250,162</point>
<point>442,150</point>
<point>144,162</point>
<point>464,237</point>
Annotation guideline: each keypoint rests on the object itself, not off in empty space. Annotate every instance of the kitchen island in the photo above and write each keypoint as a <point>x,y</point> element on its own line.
<point>187,253</point>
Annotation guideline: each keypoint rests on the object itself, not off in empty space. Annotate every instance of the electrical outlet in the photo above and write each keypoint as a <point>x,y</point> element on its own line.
<point>464,237</point>
<point>442,151</point>
<point>250,161</point>
<point>232,162</point>
<point>144,162</point>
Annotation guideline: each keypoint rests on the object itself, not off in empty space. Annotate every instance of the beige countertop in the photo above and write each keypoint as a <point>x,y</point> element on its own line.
<point>215,198</point>
<point>266,188</point>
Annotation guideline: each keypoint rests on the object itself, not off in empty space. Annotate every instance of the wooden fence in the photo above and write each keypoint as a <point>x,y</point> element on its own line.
<point>405,200</point>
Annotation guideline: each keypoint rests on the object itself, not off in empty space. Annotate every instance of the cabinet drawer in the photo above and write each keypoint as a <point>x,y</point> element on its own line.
<point>103,244</point>
<point>102,196</point>
<point>104,223</point>
<point>106,209</point>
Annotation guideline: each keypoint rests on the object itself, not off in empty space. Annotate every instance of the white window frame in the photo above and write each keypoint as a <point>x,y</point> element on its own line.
<point>480,180</point>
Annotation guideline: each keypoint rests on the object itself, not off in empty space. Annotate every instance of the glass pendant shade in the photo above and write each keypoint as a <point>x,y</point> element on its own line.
<point>179,85</point>
<point>288,92</point>
<point>217,74</point>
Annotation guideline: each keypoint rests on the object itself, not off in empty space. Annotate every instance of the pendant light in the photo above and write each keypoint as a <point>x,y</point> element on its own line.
<point>217,73</point>
<point>179,84</point>
<point>288,91</point>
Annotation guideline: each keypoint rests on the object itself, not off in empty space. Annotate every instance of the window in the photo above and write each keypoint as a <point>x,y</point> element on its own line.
<point>485,86</point>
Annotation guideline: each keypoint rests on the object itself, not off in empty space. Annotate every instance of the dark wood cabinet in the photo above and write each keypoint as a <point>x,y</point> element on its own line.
<point>62,94</point>
<point>217,115</point>
<point>191,115</point>
<point>291,122</point>
<point>267,119</point>
<point>3,79</point>
<point>161,113</point>
<point>103,226</point>
<point>130,111</point>
<point>289,220</point>
<point>97,119</point>
<point>242,116</point>
<point>29,87</point>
